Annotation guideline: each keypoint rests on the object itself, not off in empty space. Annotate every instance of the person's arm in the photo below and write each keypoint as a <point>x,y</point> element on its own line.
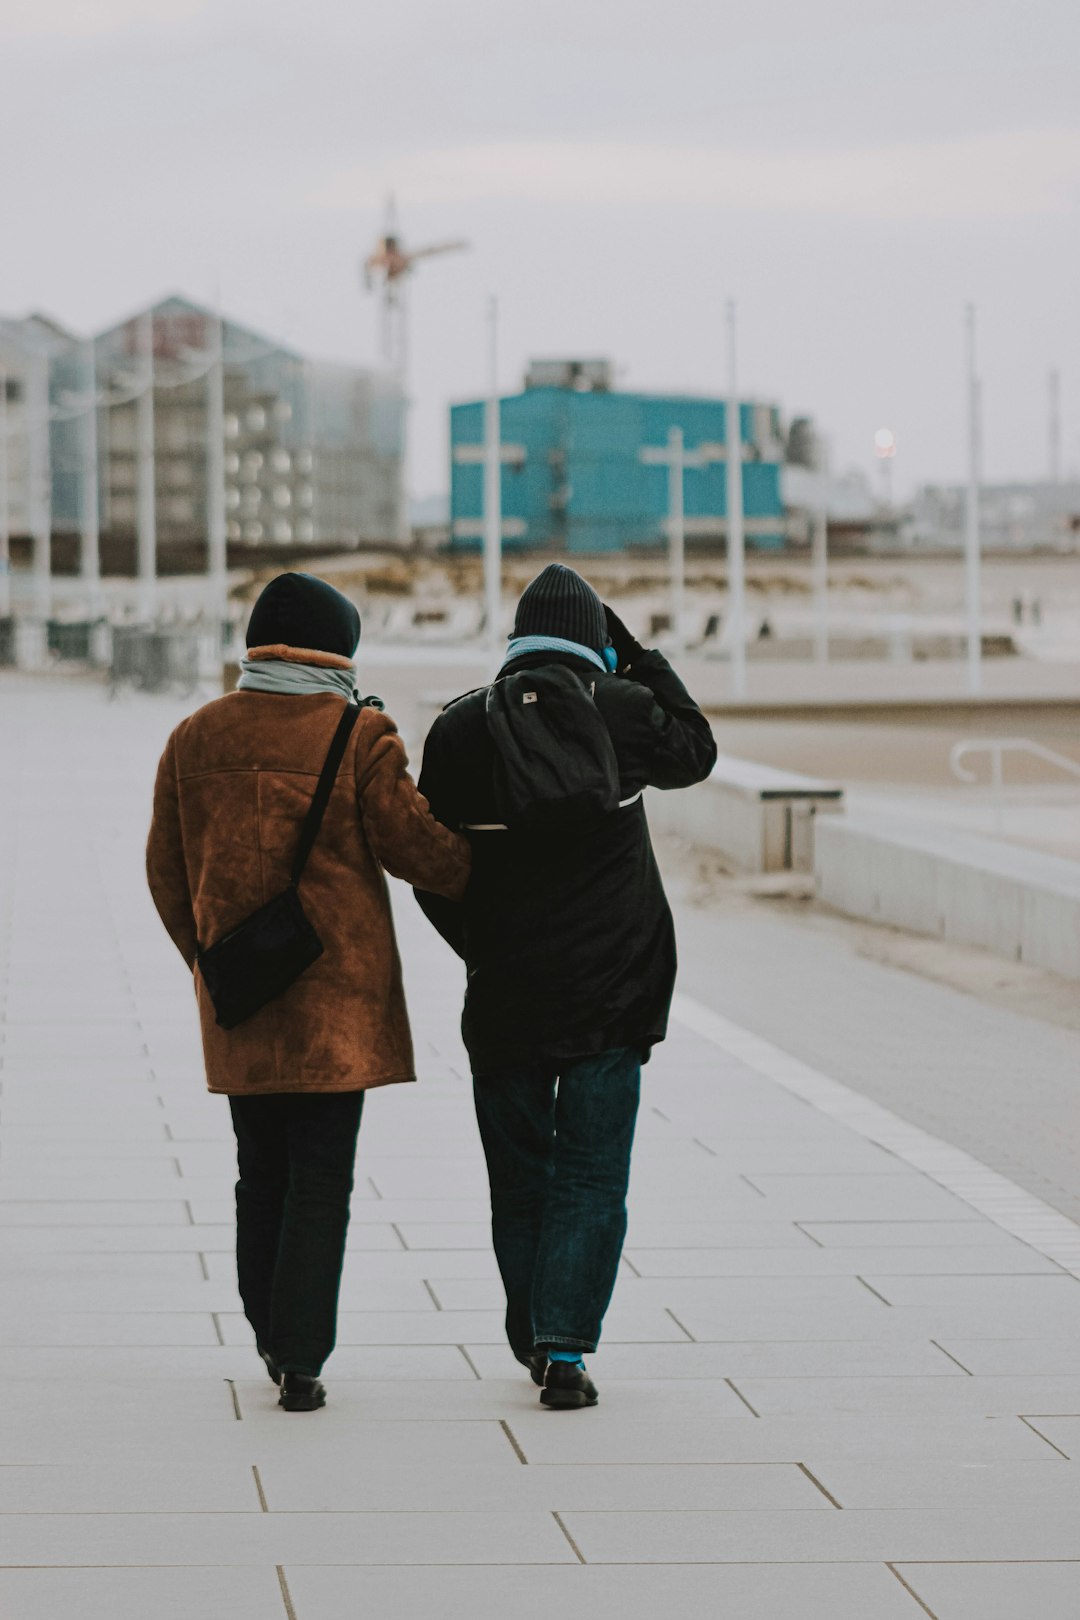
<point>403,833</point>
<point>166,871</point>
<point>672,740</point>
<point>436,784</point>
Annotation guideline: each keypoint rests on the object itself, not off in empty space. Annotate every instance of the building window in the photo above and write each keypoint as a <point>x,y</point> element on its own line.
<point>232,464</point>
<point>283,496</point>
<point>253,531</point>
<point>234,531</point>
<point>12,390</point>
<point>305,495</point>
<point>281,461</point>
<point>282,530</point>
<point>256,419</point>
<point>304,461</point>
<point>305,529</point>
<point>232,498</point>
<point>232,426</point>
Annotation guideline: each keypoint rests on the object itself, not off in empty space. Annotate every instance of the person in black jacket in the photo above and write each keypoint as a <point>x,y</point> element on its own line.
<point>569,944</point>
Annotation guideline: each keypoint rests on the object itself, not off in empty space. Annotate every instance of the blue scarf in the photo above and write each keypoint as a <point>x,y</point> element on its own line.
<point>282,675</point>
<point>521,645</point>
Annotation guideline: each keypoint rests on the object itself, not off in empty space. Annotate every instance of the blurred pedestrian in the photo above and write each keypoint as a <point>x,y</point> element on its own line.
<point>568,941</point>
<point>276,810</point>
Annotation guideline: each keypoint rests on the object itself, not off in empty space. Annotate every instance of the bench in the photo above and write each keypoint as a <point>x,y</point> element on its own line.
<point>758,818</point>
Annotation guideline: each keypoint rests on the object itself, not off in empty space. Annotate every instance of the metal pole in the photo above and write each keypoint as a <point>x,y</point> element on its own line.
<point>819,559</point>
<point>972,547</point>
<point>5,520</point>
<point>1054,425</point>
<point>493,491</point>
<point>676,536</point>
<point>40,487</point>
<point>216,532</point>
<point>146,568</point>
<point>736,541</point>
<point>89,513</point>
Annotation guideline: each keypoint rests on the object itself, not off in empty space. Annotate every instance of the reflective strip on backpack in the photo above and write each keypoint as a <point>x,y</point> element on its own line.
<point>500,826</point>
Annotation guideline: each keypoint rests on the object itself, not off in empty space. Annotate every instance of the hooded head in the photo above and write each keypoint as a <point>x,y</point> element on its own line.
<point>560,603</point>
<point>300,611</point>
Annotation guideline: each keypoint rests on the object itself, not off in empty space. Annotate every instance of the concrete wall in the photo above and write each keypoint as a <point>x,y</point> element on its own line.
<point>1015,902</point>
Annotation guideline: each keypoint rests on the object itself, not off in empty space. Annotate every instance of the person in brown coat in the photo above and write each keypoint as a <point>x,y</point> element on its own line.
<point>233,788</point>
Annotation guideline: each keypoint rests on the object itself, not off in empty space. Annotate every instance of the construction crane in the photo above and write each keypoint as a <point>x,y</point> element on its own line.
<point>386,269</point>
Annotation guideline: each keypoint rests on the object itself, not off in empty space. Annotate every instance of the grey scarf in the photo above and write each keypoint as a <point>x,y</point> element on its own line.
<point>281,675</point>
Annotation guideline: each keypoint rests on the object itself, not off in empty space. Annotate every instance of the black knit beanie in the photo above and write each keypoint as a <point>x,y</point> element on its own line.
<point>561,603</point>
<point>303,611</point>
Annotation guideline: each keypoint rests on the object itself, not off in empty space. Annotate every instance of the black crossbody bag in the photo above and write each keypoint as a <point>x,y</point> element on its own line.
<point>268,951</point>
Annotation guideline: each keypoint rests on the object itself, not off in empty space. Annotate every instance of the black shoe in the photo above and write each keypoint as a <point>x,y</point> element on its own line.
<point>300,1392</point>
<point>537,1365</point>
<point>271,1365</point>
<point>536,1361</point>
<point>568,1385</point>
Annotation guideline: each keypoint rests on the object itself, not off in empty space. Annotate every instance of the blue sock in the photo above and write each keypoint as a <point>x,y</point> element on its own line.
<point>572,1356</point>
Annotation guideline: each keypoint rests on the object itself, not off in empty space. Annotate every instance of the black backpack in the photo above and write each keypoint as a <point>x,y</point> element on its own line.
<point>555,764</point>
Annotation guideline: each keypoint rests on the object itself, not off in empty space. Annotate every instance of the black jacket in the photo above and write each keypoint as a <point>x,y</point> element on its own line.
<point>568,938</point>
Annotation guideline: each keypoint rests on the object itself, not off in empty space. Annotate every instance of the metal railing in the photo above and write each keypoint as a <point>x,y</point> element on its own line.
<point>997,748</point>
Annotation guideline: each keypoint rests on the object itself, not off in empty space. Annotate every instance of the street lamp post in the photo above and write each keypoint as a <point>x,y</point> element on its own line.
<point>972,542</point>
<point>819,558</point>
<point>216,530</point>
<point>146,507</point>
<point>89,512</point>
<point>5,517</point>
<point>493,490</point>
<point>736,539</point>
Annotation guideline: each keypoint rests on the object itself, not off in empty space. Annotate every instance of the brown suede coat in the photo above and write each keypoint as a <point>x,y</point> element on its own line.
<point>233,787</point>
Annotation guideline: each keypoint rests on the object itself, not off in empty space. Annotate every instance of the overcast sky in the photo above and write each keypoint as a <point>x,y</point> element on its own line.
<point>850,171</point>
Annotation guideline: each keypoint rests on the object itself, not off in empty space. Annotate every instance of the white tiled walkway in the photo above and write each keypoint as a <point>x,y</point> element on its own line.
<point>830,1387</point>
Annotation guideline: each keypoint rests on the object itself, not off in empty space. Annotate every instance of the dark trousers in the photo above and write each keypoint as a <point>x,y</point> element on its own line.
<point>558,1146</point>
<point>295,1153</point>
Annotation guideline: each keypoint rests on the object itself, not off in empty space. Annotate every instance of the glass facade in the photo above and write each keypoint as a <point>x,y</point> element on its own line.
<point>573,479</point>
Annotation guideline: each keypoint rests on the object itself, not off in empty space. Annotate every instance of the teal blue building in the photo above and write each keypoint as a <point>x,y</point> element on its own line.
<point>573,479</point>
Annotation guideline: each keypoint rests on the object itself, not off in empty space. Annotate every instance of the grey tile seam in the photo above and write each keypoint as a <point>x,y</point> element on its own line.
<point>951,1357</point>
<point>870,1287</point>
<point>575,1549</point>
<point>286,1596</point>
<point>435,1300</point>
<point>678,1324</point>
<point>470,1362</point>
<point>910,1590</point>
<point>259,1488</point>
<point>1026,1421</point>
<point>735,1390</point>
<point>239,1416</point>
<point>513,1440</point>
<point>828,1495</point>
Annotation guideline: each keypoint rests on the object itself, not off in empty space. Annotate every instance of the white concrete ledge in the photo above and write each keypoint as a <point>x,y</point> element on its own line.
<point>757,818</point>
<point>954,885</point>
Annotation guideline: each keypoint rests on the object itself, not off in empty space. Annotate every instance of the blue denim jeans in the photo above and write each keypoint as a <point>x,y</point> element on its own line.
<point>557,1144</point>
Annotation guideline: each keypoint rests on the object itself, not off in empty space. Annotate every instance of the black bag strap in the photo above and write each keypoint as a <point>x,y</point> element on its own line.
<point>327,777</point>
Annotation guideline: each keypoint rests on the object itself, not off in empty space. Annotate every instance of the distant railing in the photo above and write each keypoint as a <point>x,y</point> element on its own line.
<point>997,748</point>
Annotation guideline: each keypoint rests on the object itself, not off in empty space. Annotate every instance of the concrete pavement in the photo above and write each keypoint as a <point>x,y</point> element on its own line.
<point>832,1384</point>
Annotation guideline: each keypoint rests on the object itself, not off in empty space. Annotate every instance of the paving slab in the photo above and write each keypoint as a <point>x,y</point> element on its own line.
<point>263,1539</point>
<point>136,1594</point>
<point>996,1591</point>
<point>812,1592</point>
